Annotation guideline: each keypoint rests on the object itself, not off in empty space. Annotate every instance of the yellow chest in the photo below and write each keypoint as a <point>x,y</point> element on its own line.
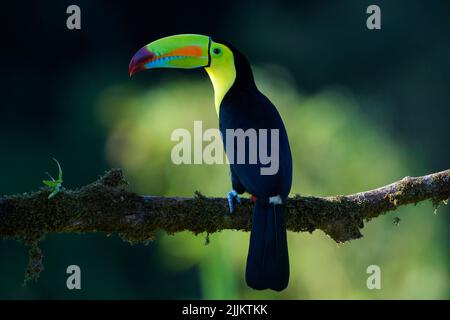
<point>222,77</point>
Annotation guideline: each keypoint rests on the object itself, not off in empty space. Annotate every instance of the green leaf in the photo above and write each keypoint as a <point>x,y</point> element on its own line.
<point>51,183</point>
<point>54,193</point>
<point>60,173</point>
<point>54,185</point>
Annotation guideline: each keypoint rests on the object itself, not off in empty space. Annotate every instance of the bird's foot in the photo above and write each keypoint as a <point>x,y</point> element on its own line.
<point>231,196</point>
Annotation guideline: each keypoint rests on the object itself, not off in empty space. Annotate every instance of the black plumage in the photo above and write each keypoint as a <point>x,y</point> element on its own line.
<point>245,107</point>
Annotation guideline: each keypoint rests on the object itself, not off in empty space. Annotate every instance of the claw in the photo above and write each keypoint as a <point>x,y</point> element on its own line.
<point>233,195</point>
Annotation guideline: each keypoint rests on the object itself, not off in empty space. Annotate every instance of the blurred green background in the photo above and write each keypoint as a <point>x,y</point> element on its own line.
<point>362,109</point>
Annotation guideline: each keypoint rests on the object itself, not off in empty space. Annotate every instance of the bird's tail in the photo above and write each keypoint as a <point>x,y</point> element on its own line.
<point>268,259</point>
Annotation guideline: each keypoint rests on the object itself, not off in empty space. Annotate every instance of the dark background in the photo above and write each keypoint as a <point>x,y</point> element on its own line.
<point>52,79</point>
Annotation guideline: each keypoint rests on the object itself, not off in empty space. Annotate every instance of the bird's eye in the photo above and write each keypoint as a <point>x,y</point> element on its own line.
<point>216,50</point>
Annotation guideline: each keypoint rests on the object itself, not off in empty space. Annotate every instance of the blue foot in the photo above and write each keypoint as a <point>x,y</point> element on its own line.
<point>231,196</point>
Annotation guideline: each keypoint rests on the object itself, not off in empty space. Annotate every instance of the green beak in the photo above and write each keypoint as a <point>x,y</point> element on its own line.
<point>184,51</point>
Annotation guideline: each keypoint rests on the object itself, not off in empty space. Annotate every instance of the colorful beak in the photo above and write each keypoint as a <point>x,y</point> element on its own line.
<point>184,51</point>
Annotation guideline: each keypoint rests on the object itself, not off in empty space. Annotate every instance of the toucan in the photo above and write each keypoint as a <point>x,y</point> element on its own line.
<point>239,105</point>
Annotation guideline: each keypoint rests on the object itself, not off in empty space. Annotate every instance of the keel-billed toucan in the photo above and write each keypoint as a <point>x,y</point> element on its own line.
<point>240,105</point>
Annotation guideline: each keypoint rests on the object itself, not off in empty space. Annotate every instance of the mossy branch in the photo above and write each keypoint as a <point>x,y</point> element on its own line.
<point>106,206</point>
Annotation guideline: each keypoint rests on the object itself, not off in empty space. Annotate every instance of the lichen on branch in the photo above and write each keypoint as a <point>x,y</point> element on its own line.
<point>107,206</point>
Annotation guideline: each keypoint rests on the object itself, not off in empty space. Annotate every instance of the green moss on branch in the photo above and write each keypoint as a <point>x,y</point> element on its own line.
<point>107,206</point>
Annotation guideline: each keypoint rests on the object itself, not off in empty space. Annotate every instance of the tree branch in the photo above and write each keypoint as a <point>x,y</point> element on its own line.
<point>106,206</point>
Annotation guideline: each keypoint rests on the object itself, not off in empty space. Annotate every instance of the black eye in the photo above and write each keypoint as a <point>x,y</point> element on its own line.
<point>216,51</point>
